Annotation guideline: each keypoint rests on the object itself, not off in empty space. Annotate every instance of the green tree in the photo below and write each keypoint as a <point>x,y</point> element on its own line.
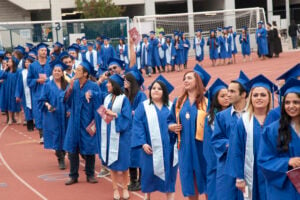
<point>99,8</point>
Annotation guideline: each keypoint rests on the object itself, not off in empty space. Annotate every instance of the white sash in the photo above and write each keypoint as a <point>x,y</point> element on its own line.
<point>20,65</point>
<point>160,50</point>
<point>249,153</point>
<point>232,44</point>
<point>144,50</point>
<point>95,58</point>
<point>198,47</point>
<point>169,53</point>
<point>113,151</point>
<point>26,89</point>
<point>226,44</point>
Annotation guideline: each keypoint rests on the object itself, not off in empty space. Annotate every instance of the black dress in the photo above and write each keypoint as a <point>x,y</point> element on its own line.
<point>277,43</point>
<point>270,43</point>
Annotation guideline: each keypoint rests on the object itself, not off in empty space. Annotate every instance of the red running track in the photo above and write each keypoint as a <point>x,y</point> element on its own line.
<point>27,171</point>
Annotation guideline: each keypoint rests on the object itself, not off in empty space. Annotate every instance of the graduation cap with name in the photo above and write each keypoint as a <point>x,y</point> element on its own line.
<point>243,79</point>
<point>137,75</point>
<point>291,86</point>
<point>118,79</point>
<point>117,62</point>
<point>163,80</point>
<point>20,49</point>
<point>58,63</point>
<point>89,67</point>
<point>58,44</point>
<point>294,72</point>
<point>205,77</point>
<point>214,88</point>
<point>42,45</point>
<point>262,81</point>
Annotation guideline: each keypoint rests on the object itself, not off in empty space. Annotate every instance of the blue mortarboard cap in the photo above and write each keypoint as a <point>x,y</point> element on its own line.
<point>118,79</point>
<point>58,44</point>
<point>58,63</point>
<point>2,53</point>
<point>6,58</point>
<point>137,75</point>
<point>291,86</point>
<point>229,27</point>
<point>33,51</point>
<point>180,34</point>
<point>212,30</point>
<point>205,77</point>
<point>262,81</point>
<point>20,49</point>
<point>168,85</point>
<point>215,87</point>
<point>83,38</point>
<point>294,72</point>
<point>219,29</point>
<point>243,79</point>
<point>145,36</point>
<point>162,32</point>
<point>89,67</point>
<point>260,22</point>
<point>176,33</point>
<point>152,32</point>
<point>122,38</point>
<point>116,61</point>
<point>106,38</point>
<point>169,37</point>
<point>199,30</point>
<point>32,59</point>
<point>245,28</point>
<point>63,55</point>
<point>74,47</point>
<point>29,45</point>
<point>42,45</point>
<point>90,44</point>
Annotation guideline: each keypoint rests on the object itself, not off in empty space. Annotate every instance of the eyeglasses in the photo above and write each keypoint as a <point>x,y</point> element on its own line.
<point>112,68</point>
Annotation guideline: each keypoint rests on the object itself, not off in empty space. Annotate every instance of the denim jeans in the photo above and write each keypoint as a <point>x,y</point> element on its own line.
<point>294,42</point>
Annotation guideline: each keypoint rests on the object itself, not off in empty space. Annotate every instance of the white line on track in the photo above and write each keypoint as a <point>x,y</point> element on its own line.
<point>2,131</point>
<point>20,179</point>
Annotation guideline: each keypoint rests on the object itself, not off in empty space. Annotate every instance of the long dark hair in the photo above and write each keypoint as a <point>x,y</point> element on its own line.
<point>117,90</point>
<point>14,66</point>
<point>214,108</point>
<point>284,131</point>
<point>165,95</point>
<point>134,87</point>
<point>89,76</point>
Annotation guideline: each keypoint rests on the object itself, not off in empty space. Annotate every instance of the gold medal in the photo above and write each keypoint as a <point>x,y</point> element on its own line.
<point>187,115</point>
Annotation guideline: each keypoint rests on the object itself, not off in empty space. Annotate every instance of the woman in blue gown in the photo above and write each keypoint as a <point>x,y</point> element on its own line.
<point>150,129</point>
<point>213,44</point>
<point>114,135</point>
<point>186,48</point>
<point>186,119</point>
<point>179,59</point>
<point>135,96</point>
<point>261,41</point>
<point>218,100</point>
<point>242,154</point>
<point>280,146</point>
<point>54,112</point>
<point>23,93</point>
<point>245,44</point>
<point>3,82</point>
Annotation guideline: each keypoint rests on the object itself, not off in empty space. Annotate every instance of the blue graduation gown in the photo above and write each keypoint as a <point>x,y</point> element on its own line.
<point>36,88</point>
<point>274,164</point>
<point>225,53</point>
<point>273,115</point>
<point>77,139</point>
<point>170,54</point>
<point>245,44</point>
<point>141,136</point>
<point>106,54</point>
<point>54,123</point>
<point>155,61</point>
<point>225,184</point>
<point>236,157</point>
<point>179,59</point>
<point>10,90</point>
<point>211,161</point>
<point>186,50</point>
<point>192,165</point>
<point>21,94</point>
<point>262,41</point>
<point>135,153</point>
<point>213,44</point>
<point>146,61</point>
<point>3,93</point>
<point>202,43</point>
<point>123,123</point>
<point>234,49</point>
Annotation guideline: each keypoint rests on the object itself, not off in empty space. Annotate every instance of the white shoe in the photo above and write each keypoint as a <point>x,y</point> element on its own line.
<point>42,140</point>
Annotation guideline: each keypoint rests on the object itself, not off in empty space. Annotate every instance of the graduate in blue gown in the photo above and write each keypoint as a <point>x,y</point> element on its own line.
<point>38,74</point>
<point>162,49</point>
<point>170,53</point>
<point>133,81</point>
<point>54,112</point>
<point>91,56</point>
<point>146,55</point>
<point>122,51</point>
<point>224,124</point>
<point>244,39</point>
<point>150,131</point>
<point>218,101</point>
<point>73,50</point>
<point>178,44</point>
<point>186,48</point>
<point>84,97</point>
<point>198,46</point>
<point>244,146</point>
<point>155,59</point>
<point>107,52</point>
<point>188,111</point>
<point>114,136</point>
<point>225,44</point>
<point>233,48</point>
<point>261,40</point>
<point>213,44</point>
<point>83,46</point>
<point>4,88</point>
<point>23,93</point>
<point>280,146</point>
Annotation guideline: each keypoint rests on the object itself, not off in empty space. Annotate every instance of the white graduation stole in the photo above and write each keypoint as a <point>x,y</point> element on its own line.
<point>95,58</point>
<point>232,44</point>
<point>138,58</point>
<point>198,47</point>
<point>155,136</point>
<point>20,65</point>
<point>160,50</point>
<point>249,153</point>
<point>169,53</point>
<point>144,50</point>
<point>114,139</point>
<point>226,44</point>
<point>26,89</point>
